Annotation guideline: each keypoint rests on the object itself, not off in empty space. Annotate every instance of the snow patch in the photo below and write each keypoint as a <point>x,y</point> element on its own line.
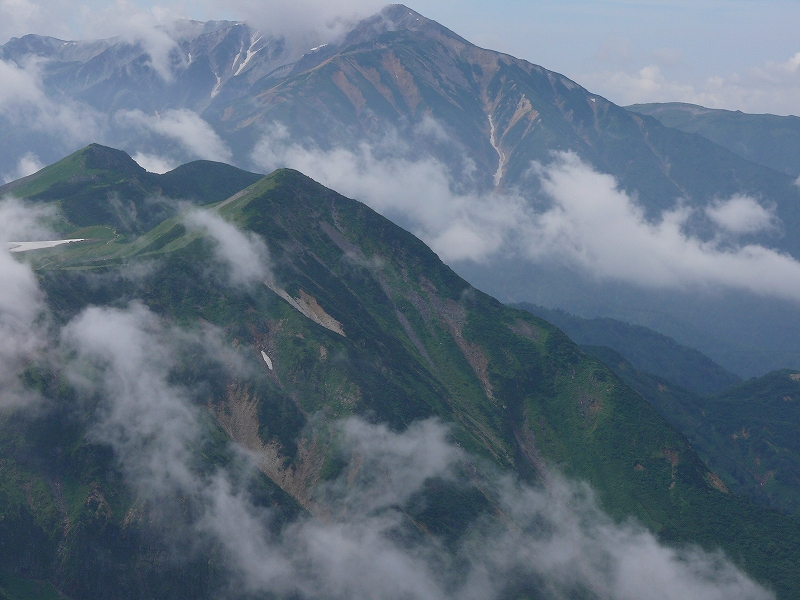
<point>250,54</point>
<point>25,246</point>
<point>215,91</point>
<point>498,175</point>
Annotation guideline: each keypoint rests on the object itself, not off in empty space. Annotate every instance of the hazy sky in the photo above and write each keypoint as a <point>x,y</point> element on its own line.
<point>738,54</point>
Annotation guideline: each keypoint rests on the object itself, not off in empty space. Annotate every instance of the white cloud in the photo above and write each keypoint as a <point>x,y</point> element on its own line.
<point>772,87</point>
<point>590,223</point>
<point>154,163</point>
<point>24,103</point>
<point>741,214</point>
<point>150,26</point>
<point>366,547</point>
<point>126,355</point>
<point>596,225</point>
<point>22,308</point>
<point>316,20</point>
<point>183,126</point>
<point>417,192</point>
<point>244,254</point>
<point>28,164</point>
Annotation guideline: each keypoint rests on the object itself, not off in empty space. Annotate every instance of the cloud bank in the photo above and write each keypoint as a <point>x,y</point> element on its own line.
<point>244,254</point>
<point>182,126</point>
<point>582,219</point>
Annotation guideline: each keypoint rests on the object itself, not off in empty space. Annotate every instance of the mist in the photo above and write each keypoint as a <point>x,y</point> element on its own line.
<point>244,256</point>
<point>555,539</point>
<point>581,218</point>
<point>125,363</point>
<point>23,314</point>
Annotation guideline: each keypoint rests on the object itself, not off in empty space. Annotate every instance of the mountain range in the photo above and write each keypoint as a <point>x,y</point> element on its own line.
<point>403,100</point>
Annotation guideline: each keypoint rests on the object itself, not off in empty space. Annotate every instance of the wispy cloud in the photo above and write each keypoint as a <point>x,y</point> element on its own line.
<point>310,19</point>
<point>243,253</point>
<point>25,104</point>
<point>129,360</point>
<point>23,334</point>
<point>581,218</point>
<point>555,539</point>
<point>415,191</point>
<point>183,126</point>
<point>28,164</point>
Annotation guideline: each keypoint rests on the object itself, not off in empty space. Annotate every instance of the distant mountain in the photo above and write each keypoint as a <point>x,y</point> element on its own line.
<point>645,349</point>
<point>409,88</point>
<point>769,140</point>
<point>348,314</point>
<point>386,76</point>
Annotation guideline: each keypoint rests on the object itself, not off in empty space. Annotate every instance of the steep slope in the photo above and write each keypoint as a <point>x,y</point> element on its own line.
<point>359,317</point>
<point>645,349</point>
<point>103,186</point>
<point>769,140</point>
<point>745,434</point>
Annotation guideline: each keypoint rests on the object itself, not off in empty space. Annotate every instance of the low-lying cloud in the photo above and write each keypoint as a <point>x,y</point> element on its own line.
<point>182,126</point>
<point>24,103</point>
<point>127,361</point>
<point>741,214</point>
<point>154,163</point>
<point>598,226</point>
<point>243,253</point>
<point>582,218</point>
<point>415,192</point>
<point>28,164</point>
<point>22,309</point>
<point>556,540</point>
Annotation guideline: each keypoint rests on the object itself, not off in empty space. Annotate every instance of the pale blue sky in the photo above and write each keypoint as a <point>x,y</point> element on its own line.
<point>726,53</point>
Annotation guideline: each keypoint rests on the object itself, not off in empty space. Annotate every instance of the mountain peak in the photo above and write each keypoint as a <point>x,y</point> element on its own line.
<point>96,156</point>
<point>396,17</point>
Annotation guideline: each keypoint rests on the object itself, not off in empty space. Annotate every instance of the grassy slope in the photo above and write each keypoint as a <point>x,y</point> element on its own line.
<point>103,186</point>
<point>746,434</point>
<point>512,385</point>
<point>646,349</point>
